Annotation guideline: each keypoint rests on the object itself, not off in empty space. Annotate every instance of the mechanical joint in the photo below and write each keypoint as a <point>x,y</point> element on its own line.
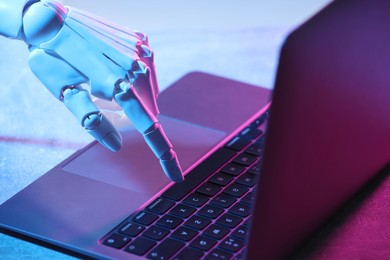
<point>158,142</point>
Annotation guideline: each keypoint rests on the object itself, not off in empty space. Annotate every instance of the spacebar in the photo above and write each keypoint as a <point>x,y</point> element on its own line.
<point>199,174</point>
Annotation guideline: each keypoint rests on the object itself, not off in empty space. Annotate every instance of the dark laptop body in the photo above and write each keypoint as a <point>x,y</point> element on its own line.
<point>329,131</point>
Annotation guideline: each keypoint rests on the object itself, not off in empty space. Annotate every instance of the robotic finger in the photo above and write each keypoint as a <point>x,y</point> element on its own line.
<point>79,102</point>
<point>147,56</point>
<point>142,81</point>
<point>147,124</point>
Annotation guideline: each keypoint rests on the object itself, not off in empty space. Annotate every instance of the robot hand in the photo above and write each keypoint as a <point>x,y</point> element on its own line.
<point>69,47</point>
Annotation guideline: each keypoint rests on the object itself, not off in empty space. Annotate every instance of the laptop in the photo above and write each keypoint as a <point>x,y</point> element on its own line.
<point>327,135</point>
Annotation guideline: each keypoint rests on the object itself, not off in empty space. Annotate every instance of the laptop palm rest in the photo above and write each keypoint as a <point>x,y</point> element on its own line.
<point>135,167</point>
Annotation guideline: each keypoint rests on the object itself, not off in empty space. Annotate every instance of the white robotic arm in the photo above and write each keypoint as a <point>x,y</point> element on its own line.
<point>69,47</point>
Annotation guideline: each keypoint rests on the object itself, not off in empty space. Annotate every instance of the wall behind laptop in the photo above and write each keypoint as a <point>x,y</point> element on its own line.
<point>186,35</point>
<point>192,14</point>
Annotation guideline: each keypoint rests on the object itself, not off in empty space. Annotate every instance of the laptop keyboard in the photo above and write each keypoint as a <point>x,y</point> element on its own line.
<point>206,216</point>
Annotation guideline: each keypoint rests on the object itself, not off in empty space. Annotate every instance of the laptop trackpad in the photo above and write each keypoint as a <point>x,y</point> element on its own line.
<point>135,167</point>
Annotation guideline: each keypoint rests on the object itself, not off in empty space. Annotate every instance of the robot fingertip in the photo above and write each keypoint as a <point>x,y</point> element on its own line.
<point>112,141</point>
<point>175,174</point>
<point>172,170</point>
<point>177,178</point>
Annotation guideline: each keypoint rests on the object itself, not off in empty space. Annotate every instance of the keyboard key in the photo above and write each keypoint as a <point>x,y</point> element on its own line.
<point>249,198</point>
<point>145,218</point>
<point>238,143</point>
<point>241,232</point>
<point>261,141</point>
<point>182,210</point>
<point>185,234</point>
<point>131,229</point>
<point>140,246</point>
<point>232,244</point>
<point>241,209</point>
<point>221,179</point>
<point>229,220</point>
<point>160,205</point>
<point>218,254</point>
<point>251,133</point>
<point>116,240</point>
<point>236,190</point>
<point>240,256</point>
<point>233,169</point>
<point>189,254</point>
<point>169,221</point>
<point>255,169</point>
<point>203,243</point>
<point>156,232</point>
<point>197,222</point>
<point>209,189</point>
<point>255,149</point>
<point>223,200</point>
<point>258,122</point>
<point>216,231</point>
<point>248,221</point>
<point>247,179</point>
<point>245,159</point>
<point>199,174</point>
<point>166,249</point>
<point>210,211</point>
<point>196,199</point>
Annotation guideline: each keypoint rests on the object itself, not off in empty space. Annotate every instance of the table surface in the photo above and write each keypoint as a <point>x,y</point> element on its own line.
<point>38,132</point>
